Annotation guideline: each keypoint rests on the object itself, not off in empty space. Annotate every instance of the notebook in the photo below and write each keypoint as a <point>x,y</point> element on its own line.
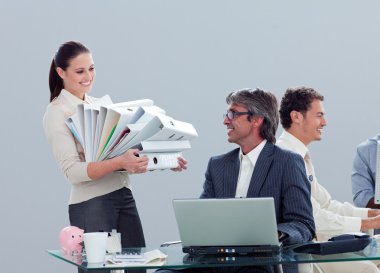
<point>227,226</point>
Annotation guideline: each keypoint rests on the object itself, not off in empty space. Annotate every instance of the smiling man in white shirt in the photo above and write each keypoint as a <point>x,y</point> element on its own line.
<point>303,117</point>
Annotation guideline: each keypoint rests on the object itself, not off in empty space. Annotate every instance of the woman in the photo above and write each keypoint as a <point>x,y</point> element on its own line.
<point>100,197</point>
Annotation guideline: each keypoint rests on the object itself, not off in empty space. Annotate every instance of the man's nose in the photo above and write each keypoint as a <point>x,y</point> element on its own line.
<point>324,121</point>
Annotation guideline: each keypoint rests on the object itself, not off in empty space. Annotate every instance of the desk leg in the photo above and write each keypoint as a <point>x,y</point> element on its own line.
<point>278,268</point>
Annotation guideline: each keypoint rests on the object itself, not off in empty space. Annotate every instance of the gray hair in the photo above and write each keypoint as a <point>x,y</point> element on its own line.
<point>259,103</point>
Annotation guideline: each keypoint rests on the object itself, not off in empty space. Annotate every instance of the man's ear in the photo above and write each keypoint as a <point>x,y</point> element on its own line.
<point>296,116</point>
<point>257,121</point>
<point>60,72</point>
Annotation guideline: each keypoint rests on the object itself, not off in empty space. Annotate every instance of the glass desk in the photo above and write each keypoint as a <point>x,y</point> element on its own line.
<point>177,259</point>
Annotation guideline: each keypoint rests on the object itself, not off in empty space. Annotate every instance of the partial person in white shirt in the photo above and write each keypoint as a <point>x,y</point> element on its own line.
<point>303,117</point>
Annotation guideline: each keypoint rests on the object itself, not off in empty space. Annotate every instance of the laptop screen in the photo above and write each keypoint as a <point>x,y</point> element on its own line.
<point>226,222</point>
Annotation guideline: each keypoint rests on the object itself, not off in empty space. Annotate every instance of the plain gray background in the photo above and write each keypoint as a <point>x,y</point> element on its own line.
<point>186,56</point>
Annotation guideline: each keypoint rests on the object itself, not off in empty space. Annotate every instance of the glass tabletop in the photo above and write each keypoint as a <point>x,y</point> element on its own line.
<point>177,259</point>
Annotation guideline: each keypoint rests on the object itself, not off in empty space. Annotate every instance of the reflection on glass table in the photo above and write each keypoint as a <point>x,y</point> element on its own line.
<point>177,259</point>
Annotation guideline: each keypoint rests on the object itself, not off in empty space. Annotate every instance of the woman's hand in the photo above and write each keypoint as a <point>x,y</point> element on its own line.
<point>182,165</point>
<point>131,162</point>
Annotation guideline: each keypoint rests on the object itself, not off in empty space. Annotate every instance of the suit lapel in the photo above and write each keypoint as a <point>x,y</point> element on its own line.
<point>231,174</point>
<point>260,172</point>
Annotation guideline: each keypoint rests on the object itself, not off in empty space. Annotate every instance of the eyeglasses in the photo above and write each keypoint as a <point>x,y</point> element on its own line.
<point>230,115</point>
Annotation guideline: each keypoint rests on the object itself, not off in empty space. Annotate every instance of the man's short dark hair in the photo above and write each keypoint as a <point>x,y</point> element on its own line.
<point>259,103</point>
<point>297,99</point>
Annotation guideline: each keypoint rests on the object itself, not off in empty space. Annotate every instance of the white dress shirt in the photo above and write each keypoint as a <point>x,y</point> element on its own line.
<point>331,217</point>
<point>247,165</point>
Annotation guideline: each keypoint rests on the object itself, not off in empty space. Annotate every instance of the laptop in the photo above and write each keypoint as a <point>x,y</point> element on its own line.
<point>227,226</point>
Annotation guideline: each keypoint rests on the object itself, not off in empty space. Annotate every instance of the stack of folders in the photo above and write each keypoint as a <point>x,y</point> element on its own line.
<point>106,130</point>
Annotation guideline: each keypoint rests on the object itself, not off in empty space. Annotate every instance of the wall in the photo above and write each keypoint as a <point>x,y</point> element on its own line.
<point>186,56</point>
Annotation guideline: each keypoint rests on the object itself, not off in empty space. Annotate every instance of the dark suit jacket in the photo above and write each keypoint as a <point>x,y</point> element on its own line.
<point>279,174</point>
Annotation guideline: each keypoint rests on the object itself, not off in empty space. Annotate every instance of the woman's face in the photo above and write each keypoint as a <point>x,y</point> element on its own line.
<point>79,75</point>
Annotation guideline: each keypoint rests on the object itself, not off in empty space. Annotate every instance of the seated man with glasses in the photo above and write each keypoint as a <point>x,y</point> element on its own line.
<point>258,168</point>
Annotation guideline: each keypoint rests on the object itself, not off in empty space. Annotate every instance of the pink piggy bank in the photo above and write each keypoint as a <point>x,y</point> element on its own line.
<point>71,239</point>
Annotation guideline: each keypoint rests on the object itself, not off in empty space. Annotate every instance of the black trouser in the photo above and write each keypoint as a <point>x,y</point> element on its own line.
<point>115,210</point>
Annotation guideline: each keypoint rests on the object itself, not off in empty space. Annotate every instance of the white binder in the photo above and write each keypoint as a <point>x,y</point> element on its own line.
<point>163,146</point>
<point>162,161</point>
<point>106,130</point>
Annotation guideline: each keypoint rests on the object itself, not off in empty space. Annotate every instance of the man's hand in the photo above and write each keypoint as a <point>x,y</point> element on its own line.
<point>373,212</point>
<point>371,223</point>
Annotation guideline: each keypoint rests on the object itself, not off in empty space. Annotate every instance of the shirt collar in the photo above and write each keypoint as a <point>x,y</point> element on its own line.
<point>72,99</point>
<point>295,144</point>
<point>254,154</point>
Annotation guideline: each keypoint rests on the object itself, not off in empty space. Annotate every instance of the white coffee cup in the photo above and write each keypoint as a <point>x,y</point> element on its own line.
<point>114,242</point>
<point>95,244</point>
